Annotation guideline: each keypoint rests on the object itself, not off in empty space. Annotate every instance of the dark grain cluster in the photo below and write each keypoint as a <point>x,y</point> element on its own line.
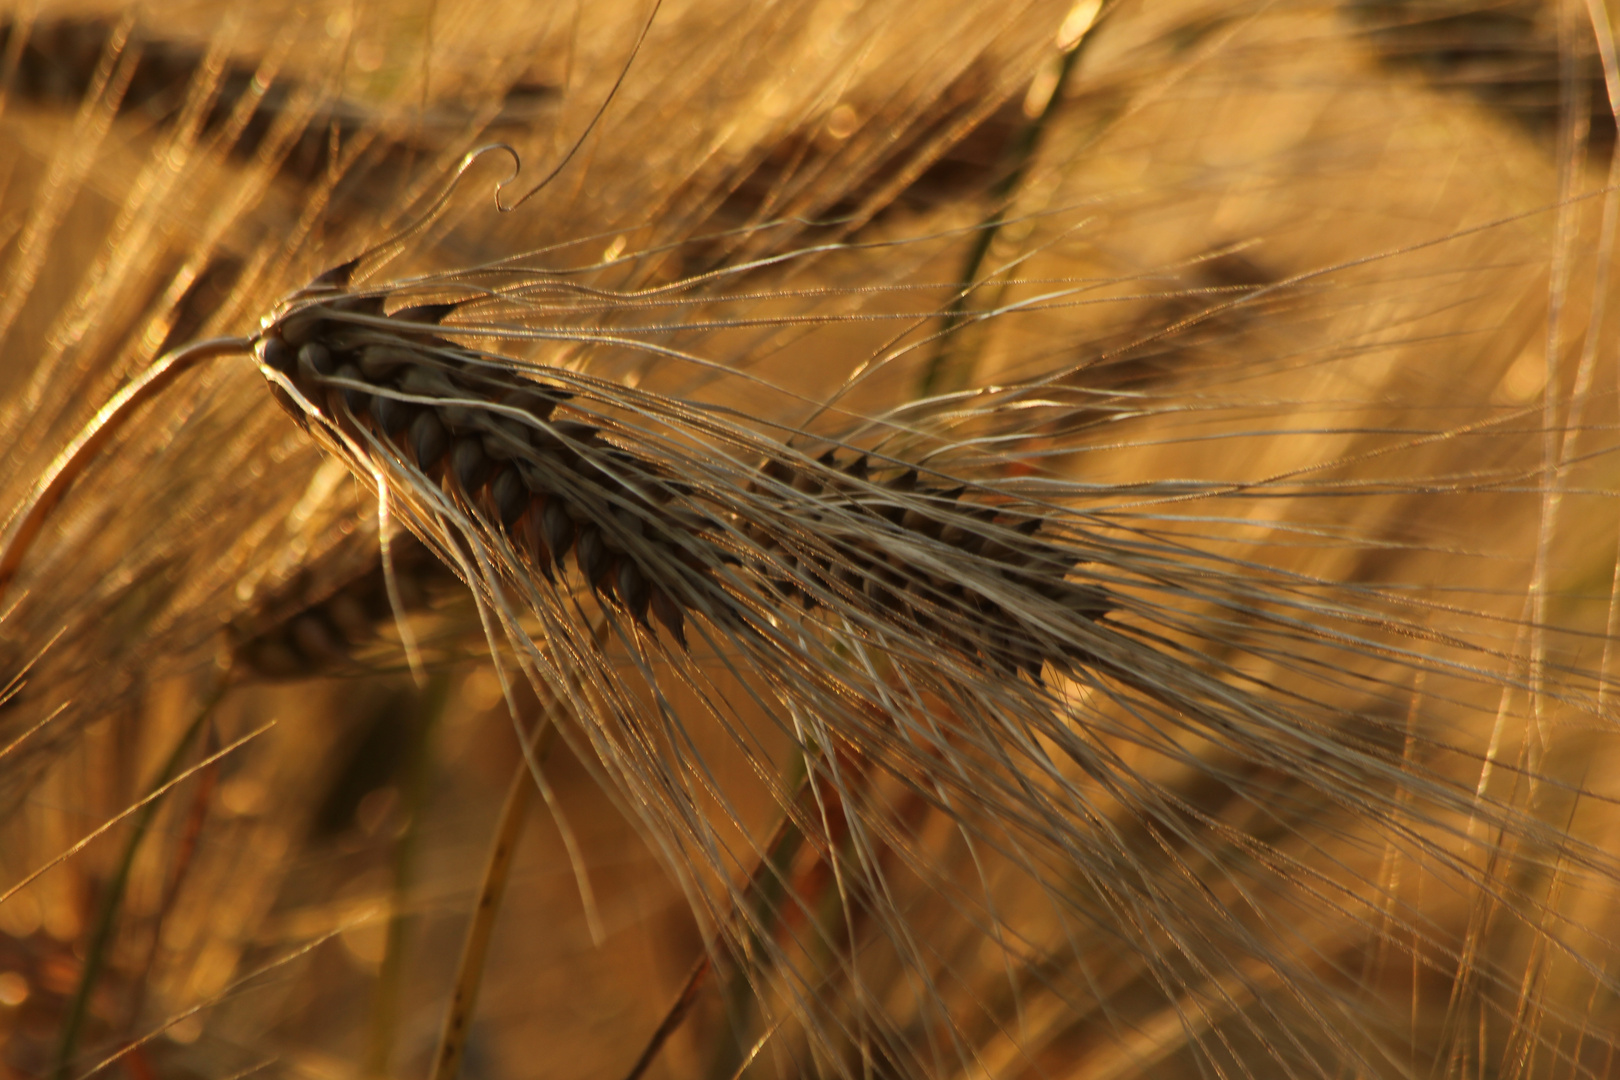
<point>840,532</point>
<point>549,482</point>
<point>965,573</point>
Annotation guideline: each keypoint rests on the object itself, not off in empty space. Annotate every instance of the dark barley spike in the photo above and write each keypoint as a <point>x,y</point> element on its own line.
<point>558,528</point>
<point>922,523</point>
<point>669,613</point>
<point>358,401</point>
<point>459,419</point>
<point>505,439</point>
<point>538,403</point>
<point>381,361</point>
<point>391,414</point>
<point>559,434</point>
<point>315,359</point>
<point>276,354</point>
<point>424,381</point>
<point>886,582</point>
<point>518,462</point>
<point>634,592</point>
<point>329,322</point>
<point>784,587</point>
<point>965,535</point>
<point>893,513</point>
<point>371,304</point>
<point>875,591</point>
<point>590,554</point>
<point>428,314</point>
<point>1091,601</point>
<point>285,400</point>
<point>337,277</point>
<point>301,328</point>
<point>510,495</point>
<point>993,645</point>
<point>774,468</point>
<point>429,441</point>
<point>472,467</point>
<point>534,533</point>
<point>534,478</point>
<point>630,523</point>
<point>999,552</point>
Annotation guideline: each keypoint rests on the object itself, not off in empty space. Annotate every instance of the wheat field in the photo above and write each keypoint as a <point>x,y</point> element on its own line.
<point>914,538</point>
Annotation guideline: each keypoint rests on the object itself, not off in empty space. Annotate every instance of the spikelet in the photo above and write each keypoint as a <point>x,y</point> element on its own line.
<point>1173,645</point>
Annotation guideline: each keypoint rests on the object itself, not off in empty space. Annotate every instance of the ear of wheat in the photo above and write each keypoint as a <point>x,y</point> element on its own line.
<point>1147,651</point>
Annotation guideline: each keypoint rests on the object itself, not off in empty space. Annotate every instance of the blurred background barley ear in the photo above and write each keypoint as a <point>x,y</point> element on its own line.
<point>1045,539</point>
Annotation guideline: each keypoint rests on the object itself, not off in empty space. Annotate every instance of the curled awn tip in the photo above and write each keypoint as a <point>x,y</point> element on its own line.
<point>601,109</point>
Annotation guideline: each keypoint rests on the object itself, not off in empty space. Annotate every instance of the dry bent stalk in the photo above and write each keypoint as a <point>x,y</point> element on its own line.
<point>542,463</point>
